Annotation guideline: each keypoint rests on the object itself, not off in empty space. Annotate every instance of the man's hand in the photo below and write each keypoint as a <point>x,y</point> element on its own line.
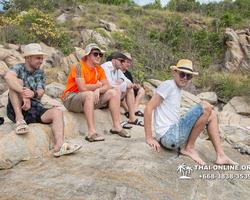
<point>119,81</point>
<point>99,84</point>
<point>27,93</point>
<point>26,104</point>
<point>154,144</point>
<point>96,95</point>
<point>135,86</point>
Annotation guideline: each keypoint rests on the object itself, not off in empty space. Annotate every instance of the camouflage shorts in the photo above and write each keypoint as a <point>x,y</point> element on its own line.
<point>33,115</point>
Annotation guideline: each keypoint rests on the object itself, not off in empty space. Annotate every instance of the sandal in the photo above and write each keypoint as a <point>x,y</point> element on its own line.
<point>19,125</point>
<point>123,125</point>
<point>139,113</point>
<point>93,137</point>
<point>126,114</point>
<point>64,150</point>
<point>122,133</point>
<point>136,122</point>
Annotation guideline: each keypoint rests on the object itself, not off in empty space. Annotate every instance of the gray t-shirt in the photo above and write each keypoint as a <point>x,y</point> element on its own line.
<point>33,80</point>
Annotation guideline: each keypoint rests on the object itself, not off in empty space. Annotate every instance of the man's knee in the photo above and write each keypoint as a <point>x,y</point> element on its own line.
<point>206,106</point>
<point>88,96</point>
<point>130,91</point>
<point>142,91</point>
<point>56,113</point>
<point>117,89</point>
<point>213,114</point>
<point>114,93</point>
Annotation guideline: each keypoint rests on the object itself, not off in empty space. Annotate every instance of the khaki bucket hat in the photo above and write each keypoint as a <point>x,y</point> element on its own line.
<point>33,49</point>
<point>128,55</point>
<point>89,48</point>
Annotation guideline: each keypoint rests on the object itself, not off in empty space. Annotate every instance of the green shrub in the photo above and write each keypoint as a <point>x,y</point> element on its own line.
<point>204,61</point>
<point>162,75</point>
<point>35,24</point>
<point>138,72</point>
<point>64,42</point>
<point>225,85</point>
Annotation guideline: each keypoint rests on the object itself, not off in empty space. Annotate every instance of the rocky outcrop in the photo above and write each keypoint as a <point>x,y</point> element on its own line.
<point>128,168</point>
<point>96,36</point>
<point>118,168</point>
<point>55,90</point>
<point>238,50</point>
<point>210,97</point>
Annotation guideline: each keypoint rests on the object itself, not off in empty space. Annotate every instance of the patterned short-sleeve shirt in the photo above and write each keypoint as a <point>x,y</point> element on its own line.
<point>33,80</point>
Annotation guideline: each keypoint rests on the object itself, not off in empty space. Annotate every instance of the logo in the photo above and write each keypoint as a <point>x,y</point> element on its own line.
<point>185,170</point>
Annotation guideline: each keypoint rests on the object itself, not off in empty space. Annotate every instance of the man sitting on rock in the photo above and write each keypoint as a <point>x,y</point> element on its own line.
<point>26,82</point>
<point>182,133</point>
<point>139,92</point>
<point>88,89</point>
<point>123,85</point>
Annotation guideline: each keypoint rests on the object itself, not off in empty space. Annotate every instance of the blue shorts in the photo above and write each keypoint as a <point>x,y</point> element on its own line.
<point>178,133</point>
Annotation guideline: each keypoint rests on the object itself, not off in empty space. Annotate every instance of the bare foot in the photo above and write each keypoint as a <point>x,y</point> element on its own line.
<point>225,160</point>
<point>192,154</point>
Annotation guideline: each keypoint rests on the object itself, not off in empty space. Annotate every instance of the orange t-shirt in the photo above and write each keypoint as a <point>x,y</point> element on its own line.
<point>81,70</point>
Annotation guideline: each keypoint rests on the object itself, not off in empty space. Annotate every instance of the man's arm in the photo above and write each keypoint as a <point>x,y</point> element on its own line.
<point>105,86</point>
<point>13,82</point>
<point>27,93</point>
<point>107,72</point>
<point>82,86</point>
<point>152,104</point>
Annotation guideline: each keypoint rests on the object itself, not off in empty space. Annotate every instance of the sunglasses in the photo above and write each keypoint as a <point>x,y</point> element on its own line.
<point>183,74</point>
<point>96,54</point>
<point>122,61</point>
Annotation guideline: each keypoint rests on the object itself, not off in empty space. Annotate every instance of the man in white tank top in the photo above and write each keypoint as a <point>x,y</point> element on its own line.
<point>181,133</point>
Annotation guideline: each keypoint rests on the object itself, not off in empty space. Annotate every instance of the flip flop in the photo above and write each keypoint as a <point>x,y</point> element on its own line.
<point>123,125</point>
<point>136,122</point>
<point>93,137</point>
<point>19,125</point>
<point>139,113</point>
<point>64,150</point>
<point>122,133</point>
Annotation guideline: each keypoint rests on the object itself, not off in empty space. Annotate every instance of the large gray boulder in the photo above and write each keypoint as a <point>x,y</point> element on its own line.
<point>55,90</point>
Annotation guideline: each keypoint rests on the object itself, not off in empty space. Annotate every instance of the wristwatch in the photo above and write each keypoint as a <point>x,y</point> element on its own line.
<point>35,94</point>
<point>122,79</point>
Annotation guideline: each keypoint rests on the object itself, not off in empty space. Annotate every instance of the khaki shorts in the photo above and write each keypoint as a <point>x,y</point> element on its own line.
<point>73,102</point>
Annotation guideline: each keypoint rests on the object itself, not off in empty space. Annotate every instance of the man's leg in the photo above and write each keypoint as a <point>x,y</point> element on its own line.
<point>188,149</point>
<point>213,132</point>
<point>56,117</point>
<point>88,108</point>
<point>122,96</point>
<point>16,102</point>
<point>124,105</point>
<point>113,97</point>
<point>130,99</point>
<point>140,95</point>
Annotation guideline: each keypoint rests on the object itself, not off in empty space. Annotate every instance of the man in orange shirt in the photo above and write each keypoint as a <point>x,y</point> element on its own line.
<point>88,89</point>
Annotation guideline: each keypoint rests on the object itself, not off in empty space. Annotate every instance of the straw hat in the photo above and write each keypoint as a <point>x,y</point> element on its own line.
<point>33,49</point>
<point>89,48</point>
<point>184,65</point>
